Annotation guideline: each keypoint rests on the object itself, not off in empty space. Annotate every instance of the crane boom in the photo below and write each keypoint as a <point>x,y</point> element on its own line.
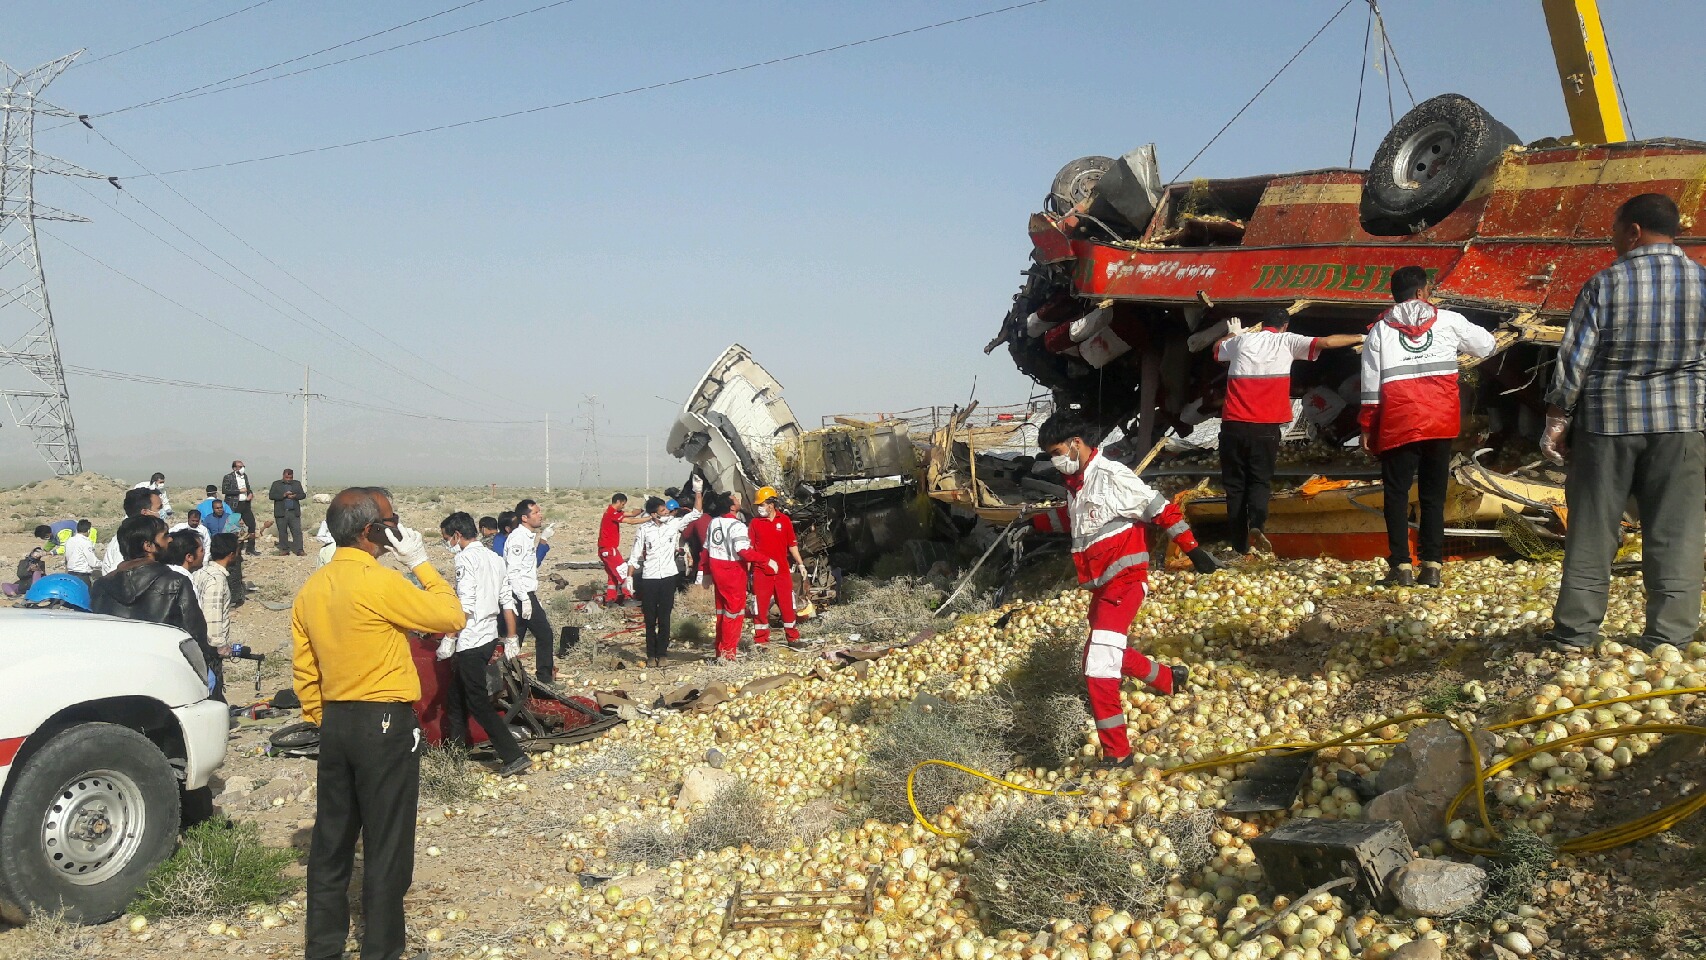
<point>1584,69</point>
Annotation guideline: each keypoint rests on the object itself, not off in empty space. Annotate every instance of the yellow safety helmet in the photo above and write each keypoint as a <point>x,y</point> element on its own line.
<point>763,494</point>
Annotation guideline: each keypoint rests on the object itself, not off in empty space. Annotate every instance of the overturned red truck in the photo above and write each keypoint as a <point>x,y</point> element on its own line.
<point>1131,282</point>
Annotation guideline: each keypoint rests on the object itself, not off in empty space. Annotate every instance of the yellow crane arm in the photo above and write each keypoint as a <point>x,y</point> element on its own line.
<point>1584,69</point>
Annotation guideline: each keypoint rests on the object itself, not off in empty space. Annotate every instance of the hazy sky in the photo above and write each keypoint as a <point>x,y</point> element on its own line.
<point>856,218</point>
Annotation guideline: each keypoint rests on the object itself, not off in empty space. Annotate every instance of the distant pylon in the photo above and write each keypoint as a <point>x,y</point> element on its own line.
<point>31,376</point>
<point>589,444</point>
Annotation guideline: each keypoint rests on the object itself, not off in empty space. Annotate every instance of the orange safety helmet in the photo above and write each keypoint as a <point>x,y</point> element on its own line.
<point>763,494</point>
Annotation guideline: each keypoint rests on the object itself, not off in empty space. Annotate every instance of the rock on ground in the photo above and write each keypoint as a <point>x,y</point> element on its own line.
<point>1422,776</point>
<point>700,784</point>
<point>1416,950</point>
<point>1437,888</point>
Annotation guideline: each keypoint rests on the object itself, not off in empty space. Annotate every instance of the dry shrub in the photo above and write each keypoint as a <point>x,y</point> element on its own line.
<point>738,816</point>
<point>447,776</point>
<point>1523,860</point>
<point>1027,875</point>
<point>1046,693</point>
<point>887,611</point>
<point>969,733</point>
<point>610,761</point>
<point>689,630</point>
<point>47,935</point>
<point>222,866</point>
<point>650,844</point>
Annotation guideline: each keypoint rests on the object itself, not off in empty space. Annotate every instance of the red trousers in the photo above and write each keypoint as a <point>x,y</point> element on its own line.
<point>1108,660</point>
<point>728,581</point>
<point>615,587</point>
<point>775,587</point>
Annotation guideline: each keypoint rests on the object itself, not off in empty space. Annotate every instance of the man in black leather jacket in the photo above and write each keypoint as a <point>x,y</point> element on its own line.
<point>144,588</point>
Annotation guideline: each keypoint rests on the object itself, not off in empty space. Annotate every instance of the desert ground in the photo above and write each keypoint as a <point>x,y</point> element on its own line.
<point>634,844</point>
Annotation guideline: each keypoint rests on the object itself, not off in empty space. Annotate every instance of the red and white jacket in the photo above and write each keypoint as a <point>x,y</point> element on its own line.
<point>727,541</point>
<point>1106,506</point>
<point>1409,374</point>
<point>1258,375</point>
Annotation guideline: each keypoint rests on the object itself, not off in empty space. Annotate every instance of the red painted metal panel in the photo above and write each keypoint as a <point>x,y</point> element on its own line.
<point>9,748</point>
<point>1050,244</point>
<point>1349,273</point>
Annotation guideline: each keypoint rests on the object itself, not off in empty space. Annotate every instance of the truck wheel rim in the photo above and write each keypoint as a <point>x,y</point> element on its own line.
<point>93,826</point>
<point>1424,154</point>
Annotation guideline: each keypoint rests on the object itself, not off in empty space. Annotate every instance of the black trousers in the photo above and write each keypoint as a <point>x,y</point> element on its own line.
<point>468,697</point>
<point>657,603</point>
<point>369,780</point>
<point>246,510</point>
<point>540,626</point>
<point>1247,455</point>
<point>1427,464</point>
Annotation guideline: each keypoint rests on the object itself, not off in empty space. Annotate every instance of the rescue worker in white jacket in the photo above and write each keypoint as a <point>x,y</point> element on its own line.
<point>1106,506</point>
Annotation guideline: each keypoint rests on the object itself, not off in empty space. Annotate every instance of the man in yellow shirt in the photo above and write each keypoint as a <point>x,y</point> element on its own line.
<point>356,679</point>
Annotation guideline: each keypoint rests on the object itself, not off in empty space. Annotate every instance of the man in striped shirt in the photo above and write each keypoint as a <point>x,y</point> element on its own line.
<point>1258,407</point>
<point>1626,408</point>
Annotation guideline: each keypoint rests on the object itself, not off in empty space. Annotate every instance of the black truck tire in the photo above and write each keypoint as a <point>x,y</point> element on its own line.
<point>89,816</point>
<point>1428,163</point>
<point>1072,185</point>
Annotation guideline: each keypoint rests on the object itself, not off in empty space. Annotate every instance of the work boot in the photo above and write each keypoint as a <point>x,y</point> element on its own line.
<point>1115,763</point>
<point>1259,544</point>
<point>1430,575</point>
<point>1566,646</point>
<point>516,767</point>
<point>1404,576</point>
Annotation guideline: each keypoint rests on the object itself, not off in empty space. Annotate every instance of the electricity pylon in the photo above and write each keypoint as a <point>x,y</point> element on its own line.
<point>31,376</point>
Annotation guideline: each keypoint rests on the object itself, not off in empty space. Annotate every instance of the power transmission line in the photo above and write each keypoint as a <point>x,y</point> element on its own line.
<point>216,88</point>
<point>755,65</point>
<point>280,268</point>
<point>324,328</point>
<point>145,379</point>
<point>194,312</point>
<point>184,94</point>
<point>178,33</point>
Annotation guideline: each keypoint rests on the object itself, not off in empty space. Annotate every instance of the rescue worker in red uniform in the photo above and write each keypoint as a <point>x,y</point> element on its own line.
<point>610,547</point>
<point>1106,505</point>
<point>728,551</point>
<point>1411,414</point>
<point>1258,408</point>
<point>773,537</point>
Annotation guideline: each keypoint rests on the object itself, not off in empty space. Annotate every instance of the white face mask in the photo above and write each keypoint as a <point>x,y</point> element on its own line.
<point>1066,465</point>
<point>452,547</point>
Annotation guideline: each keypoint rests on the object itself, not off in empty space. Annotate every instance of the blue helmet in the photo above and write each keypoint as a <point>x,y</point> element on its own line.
<point>62,587</point>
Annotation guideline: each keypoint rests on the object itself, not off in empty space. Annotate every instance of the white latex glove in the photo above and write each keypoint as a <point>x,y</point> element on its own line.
<point>512,647</point>
<point>773,567</point>
<point>409,547</point>
<point>545,534</point>
<point>446,648</point>
<point>698,484</point>
<point>524,608</point>
<point>1554,442</point>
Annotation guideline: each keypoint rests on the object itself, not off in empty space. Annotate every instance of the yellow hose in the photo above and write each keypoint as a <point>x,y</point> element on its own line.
<point>925,821</point>
<point>1605,839</point>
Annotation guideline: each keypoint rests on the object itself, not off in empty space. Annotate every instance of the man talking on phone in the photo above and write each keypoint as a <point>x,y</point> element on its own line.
<point>357,680</point>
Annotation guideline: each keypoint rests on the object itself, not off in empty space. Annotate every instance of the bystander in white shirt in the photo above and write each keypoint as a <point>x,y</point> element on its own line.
<point>80,556</point>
